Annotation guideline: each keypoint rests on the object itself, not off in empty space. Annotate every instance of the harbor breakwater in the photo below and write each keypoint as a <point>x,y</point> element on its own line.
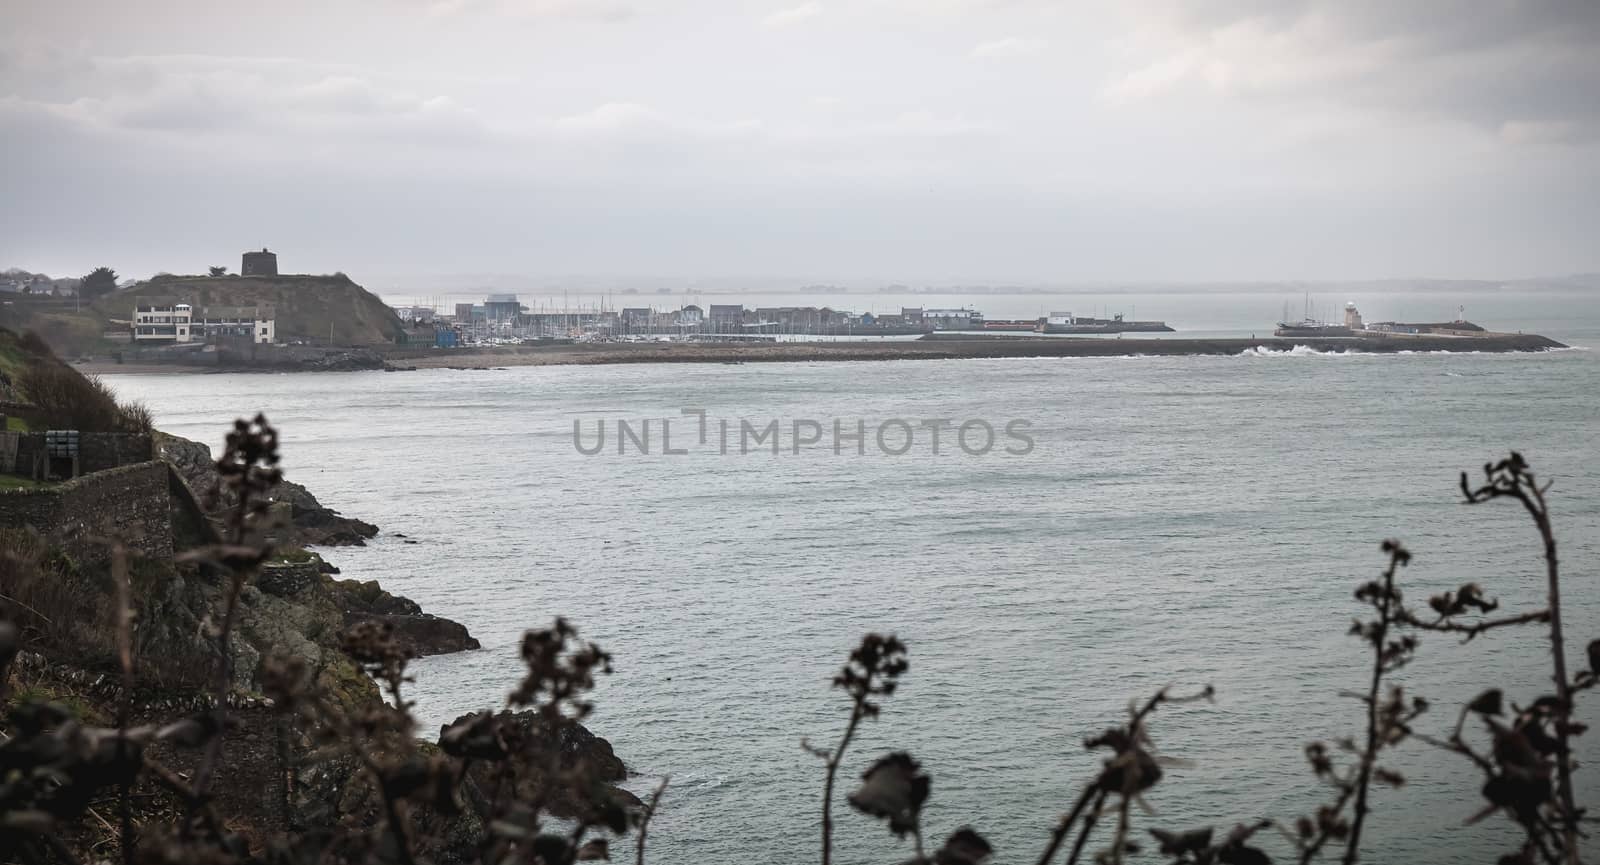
<point>956,346</point>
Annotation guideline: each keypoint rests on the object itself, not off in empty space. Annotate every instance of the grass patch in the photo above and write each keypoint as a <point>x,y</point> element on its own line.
<point>17,482</point>
<point>16,424</point>
<point>81,708</point>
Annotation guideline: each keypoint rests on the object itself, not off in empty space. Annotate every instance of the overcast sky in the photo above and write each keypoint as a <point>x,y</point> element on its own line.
<point>889,140</point>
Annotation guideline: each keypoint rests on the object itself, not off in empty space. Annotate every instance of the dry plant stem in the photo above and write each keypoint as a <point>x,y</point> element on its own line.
<point>827,788</point>
<point>1088,826</point>
<point>224,683</point>
<point>10,600</point>
<point>1064,828</point>
<point>1473,629</point>
<point>1369,756</point>
<point>1120,843</point>
<point>1524,488</point>
<point>119,576</point>
<point>644,820</point>
<point>1310,851</point>
<point>1541,517</point>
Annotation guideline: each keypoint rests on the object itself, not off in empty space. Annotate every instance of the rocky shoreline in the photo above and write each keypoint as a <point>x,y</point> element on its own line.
<point>294,614</point>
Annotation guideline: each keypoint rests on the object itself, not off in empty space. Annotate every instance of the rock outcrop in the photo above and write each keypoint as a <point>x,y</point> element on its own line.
<point>575,752</point>
<point>309,523</point>
<point>418,633</point>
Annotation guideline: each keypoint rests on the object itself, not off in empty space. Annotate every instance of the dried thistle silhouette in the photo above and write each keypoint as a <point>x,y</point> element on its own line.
<point>1389,717</point>
<point>1529,765</point>
<point>1130,771</point>
<point>873,671</point>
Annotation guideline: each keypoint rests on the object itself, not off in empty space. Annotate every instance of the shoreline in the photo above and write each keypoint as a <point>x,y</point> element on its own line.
<point>943,347</point>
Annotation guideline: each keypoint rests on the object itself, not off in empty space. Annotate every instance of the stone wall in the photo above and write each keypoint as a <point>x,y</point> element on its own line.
<point>128,503</point>
<point>96,451</point>
<point>100,451</point>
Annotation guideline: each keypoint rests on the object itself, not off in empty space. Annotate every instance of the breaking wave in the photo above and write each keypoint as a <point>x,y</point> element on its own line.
<point>1297,351</point>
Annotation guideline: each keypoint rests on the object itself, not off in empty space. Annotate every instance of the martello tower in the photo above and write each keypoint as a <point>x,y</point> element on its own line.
<point>261,263</point>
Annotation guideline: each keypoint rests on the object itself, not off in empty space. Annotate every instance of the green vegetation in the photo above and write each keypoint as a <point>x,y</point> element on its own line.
<point>14,355</point>
<point>13,482</point>
<point>83,711</point>
<point>67,399</point>
<point>99,282</point>
<point>63,398</point>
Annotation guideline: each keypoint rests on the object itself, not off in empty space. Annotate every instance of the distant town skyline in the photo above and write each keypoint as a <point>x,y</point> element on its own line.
<point>909,141</point>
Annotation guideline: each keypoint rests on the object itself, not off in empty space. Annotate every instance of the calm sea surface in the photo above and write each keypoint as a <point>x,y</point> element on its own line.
<point>1179,521</point>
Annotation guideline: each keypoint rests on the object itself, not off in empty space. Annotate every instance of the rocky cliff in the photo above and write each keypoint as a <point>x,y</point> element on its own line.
<point>309,523</point>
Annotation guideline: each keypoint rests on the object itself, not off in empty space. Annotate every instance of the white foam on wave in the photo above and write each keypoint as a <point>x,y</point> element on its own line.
<point>1297,351</point>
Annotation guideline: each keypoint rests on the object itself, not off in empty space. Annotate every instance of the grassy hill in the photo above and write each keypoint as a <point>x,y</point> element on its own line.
<point>306,305</point>
<point>56,396</point>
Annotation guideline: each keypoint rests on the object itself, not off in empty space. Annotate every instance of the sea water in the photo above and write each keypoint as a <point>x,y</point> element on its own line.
<point>1179,521</point>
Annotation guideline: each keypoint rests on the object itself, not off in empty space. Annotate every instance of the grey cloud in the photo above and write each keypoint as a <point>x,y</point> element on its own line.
<point>869,137</point>
<point>793,15</point>
<point>1493,64</point>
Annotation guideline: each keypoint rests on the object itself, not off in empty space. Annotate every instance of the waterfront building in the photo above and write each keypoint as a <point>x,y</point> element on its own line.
<point>161,319</point>
<point>255,323</point>
<point>726,317</point>
<point>169,320</point>
<point>953,319</point>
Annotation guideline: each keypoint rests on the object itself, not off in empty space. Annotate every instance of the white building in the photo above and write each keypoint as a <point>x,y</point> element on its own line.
<point>157,319</point>
<point>162,319</point>
<point>257,323</point>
